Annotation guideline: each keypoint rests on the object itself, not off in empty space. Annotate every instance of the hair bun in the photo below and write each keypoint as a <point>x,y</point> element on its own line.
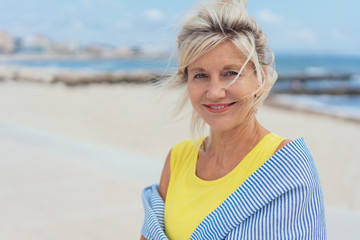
<point>229,1</point>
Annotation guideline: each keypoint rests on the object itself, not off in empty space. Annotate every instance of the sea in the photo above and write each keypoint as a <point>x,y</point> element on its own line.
<point>344,105</point>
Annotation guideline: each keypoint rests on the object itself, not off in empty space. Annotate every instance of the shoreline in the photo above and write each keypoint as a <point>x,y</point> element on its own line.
<point>274,100</point>
<point>83,78</point>
<point>73,78</point>
<point>31,72</point>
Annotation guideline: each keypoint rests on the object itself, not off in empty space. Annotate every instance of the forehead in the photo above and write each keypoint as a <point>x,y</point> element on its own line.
<point>225,53</point>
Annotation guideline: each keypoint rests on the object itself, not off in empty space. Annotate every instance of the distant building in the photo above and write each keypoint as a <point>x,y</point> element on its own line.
<point>151,51</point>
<point>66,48</point>
<point>98,50</point>
<point>7,43</point>
<point>36,44</point>
<point>123,52</point>
<point>137,50</point>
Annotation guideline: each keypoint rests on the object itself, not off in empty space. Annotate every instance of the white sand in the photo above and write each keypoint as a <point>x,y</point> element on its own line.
<point>127,119</point>
<point>57,188</point>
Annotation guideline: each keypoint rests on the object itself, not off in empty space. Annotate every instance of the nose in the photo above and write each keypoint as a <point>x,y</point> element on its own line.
<point>216,89</point>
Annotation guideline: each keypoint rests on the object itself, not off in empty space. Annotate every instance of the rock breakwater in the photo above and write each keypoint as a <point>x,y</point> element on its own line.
<point>76,78</point>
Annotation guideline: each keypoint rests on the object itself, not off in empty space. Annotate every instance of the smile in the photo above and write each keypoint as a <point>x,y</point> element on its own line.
<point>218,108</point>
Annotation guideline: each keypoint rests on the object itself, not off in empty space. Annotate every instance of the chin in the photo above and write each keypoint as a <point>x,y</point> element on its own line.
<point>223,125</point>
<point>217,126</point>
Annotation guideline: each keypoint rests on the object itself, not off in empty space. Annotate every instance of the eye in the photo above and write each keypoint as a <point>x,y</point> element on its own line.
<point>200,75</point>
<point>231,73</point>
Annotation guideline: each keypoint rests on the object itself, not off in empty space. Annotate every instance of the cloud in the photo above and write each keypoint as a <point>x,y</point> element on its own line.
<point>87,4</point>
<point>123,24</point>
<point>70,9</point>
<point>77,25</point>
<point>304,36</point>
<point>342,38</point>
<point>267,16</point>
<point>154,14</point>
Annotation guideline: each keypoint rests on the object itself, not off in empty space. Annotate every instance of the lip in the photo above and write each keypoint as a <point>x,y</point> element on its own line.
<point>218,108</point>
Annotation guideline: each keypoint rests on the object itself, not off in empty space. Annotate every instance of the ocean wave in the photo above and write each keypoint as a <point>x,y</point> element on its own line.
<point>345,106</point>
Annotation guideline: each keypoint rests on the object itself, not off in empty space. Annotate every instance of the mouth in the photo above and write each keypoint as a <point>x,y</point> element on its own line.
<point>218,108</point>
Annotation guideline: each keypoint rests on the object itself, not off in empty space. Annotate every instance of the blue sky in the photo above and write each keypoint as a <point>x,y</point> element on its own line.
<point>306,26</point>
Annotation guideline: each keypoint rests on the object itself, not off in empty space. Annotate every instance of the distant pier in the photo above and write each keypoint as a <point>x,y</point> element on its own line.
<point>315,84</point>
<point>314,77</point>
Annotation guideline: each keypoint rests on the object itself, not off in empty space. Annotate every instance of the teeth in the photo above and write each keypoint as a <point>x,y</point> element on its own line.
<point>217,107</point>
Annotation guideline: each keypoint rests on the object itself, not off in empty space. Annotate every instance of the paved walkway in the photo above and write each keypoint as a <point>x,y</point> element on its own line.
<point>52,187</point>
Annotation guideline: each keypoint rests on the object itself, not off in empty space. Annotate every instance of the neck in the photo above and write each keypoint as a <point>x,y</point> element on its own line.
<point>235,142</point>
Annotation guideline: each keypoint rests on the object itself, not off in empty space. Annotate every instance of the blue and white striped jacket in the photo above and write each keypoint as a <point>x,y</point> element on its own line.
<point>281,200</point>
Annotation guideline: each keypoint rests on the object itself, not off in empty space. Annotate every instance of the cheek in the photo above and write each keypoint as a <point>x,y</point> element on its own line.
<point>194,93</point>
<point>245,87</point>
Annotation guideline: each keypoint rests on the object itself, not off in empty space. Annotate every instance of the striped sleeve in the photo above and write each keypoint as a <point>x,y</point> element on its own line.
<point>296,214</point>
<point>153,227</point>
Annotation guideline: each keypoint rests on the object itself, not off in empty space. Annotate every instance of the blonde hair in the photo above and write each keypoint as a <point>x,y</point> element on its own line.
<point>212,23</point>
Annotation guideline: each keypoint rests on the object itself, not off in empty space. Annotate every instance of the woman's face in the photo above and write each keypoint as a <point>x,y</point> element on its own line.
<point>221,106</point>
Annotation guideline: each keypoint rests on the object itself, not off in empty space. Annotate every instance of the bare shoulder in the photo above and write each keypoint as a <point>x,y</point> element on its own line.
<point>165,177</point>
<point>283,143</point>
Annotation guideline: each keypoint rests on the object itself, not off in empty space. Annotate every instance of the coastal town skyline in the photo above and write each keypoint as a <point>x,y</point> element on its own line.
<point>41,44</point>
<point>320,27</point>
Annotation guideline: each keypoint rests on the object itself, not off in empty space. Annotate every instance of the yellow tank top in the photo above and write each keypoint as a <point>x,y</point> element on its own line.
<point>190,199</point>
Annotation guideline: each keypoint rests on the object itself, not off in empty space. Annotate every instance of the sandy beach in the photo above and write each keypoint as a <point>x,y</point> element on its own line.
<point>74,160</point>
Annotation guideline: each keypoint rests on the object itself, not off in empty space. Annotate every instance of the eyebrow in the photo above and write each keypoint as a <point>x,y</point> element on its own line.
<point>199,69</point>
<point>232,66</point>
<point>226,67</point>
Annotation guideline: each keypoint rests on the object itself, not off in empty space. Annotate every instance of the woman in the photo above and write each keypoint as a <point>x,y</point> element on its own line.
<point>242,181</point>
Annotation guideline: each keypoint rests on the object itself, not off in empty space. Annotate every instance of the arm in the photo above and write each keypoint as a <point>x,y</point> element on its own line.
<point>165,178</point>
